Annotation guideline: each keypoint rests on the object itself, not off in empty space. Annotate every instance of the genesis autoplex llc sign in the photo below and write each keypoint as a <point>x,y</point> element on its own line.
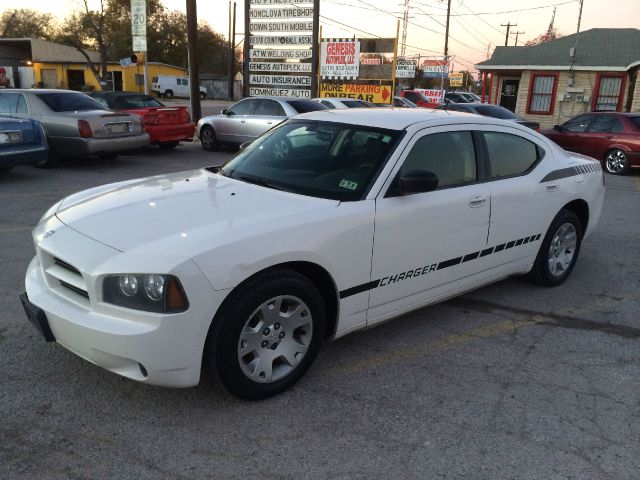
<point>339,58</point>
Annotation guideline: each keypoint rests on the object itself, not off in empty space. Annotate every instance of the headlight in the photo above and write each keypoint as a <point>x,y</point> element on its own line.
<point>150,292</point>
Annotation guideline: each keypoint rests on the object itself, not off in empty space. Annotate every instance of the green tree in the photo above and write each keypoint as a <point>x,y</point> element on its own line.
<point>27,23</point>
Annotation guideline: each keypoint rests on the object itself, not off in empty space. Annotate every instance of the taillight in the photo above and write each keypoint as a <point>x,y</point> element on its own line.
<point>151,120</point>
<point>85,129</point>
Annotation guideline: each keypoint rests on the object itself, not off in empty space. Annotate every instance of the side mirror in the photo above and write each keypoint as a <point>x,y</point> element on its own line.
<point>416,181</point>
<point>224,111</point>
<point>244,145</point>
<point>557,128</point>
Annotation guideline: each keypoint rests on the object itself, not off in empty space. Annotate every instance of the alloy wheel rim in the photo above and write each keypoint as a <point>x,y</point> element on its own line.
<point>275,339</point>
<point>616,161</point>
<point>562,249</point>
<point>207,137</point>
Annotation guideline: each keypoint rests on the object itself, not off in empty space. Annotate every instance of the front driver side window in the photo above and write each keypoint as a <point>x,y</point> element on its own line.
<point>450,155</point>
<point>578,124</point>
<point>241,108</point>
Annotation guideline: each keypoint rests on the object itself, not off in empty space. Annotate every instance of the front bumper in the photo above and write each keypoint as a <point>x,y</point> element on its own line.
<point>74,146</point>
<point>159,349</point>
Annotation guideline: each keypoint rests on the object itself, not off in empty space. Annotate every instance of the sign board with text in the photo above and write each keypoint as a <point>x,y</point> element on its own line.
<point>339,58</point>
<point>406,68</point>
<point>280,92</point>
<point>456,79</point>
<point>280,67</point>
<point>279,54</point>
<point>139,44</point>
<point>139,18</point>
<point>435,68</point>
<point>369,93</point>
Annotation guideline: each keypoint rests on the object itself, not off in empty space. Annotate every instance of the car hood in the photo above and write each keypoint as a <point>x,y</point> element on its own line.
<point>169,211</point>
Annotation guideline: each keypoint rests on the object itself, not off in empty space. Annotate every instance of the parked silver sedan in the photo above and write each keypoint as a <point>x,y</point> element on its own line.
<point>249,118</point>
<point>75,124</point>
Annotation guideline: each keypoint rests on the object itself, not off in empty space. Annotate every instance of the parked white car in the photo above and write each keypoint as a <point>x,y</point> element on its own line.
<point>332,103</point>
<point>169,86</point>
<point>246,269</point>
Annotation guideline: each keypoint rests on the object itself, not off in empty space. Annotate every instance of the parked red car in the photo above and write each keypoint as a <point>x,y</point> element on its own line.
<point>422,97</point>
<point>166,126</point>
<point>611,137</point>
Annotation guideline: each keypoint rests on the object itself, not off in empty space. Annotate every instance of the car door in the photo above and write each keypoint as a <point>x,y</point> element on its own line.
<point>426,244</point>
<point>266,114</point>
<point>232,125</point>
<point>571,136</point>
<point>516,229</point>
<point>600,134</point>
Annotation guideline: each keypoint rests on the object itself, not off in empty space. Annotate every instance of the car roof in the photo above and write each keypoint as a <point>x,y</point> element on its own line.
<point>119,94</point>
<point>39,90</point>
<point>397,118</point>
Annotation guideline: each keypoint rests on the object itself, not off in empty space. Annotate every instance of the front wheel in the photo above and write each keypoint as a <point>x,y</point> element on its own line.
<point>168,94</point>
<point>266,335</point>
<point>616,162</point>
<point>208,138</point>
<point>203,95</point>
<point>559,250</point>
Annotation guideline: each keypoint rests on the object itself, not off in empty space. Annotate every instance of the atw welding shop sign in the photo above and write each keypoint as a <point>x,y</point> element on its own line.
<point>339,58</point>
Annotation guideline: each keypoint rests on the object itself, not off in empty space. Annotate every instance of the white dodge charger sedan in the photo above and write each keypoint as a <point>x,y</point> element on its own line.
<point>243,271</point>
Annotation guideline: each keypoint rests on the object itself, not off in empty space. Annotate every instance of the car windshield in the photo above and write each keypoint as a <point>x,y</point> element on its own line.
<point>304,106</point>
<point>357,104</point>
<point>134,101</point>
<point>69,101</point>
<point>320,159</point>
<point>496,112</point>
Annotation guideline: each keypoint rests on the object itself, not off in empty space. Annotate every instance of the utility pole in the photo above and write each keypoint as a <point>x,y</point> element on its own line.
<point>446,34</point>
<point>192,50</point>
<point>488,49</point>
<point>506,37</point>
<point>232,34</point>
<point>517,35</point>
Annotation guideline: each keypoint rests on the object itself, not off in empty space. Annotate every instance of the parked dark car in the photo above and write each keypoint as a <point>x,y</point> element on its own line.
<point>403,103</point>
<point>22,141</point>
<point>611,137</point>
<point>495,111</point>
<point>166,126</point>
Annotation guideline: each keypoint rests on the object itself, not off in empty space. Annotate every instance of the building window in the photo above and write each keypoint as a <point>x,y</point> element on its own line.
<point>542,94</point>
<point>609,90</point>
<point>139,79</point>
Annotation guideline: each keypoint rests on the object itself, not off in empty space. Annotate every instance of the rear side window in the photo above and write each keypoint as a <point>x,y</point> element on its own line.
<point>69,102</point>
<point>605,124</point>
<point>450,155</point>
<point>577,124</point>
<point>242,108</point>
<point>9,102</point>
<point>269,108</point>
<point>510,155</point>
<point>304,106</point>
<point>635,121</point>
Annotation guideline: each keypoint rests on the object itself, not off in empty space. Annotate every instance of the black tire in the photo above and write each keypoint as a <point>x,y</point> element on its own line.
<point>52,159</point>
<point>616,162</point>
<point>223,349</point>
<point>550,270</point>
<point>203,95</point>
<point>208,138</point>
<point>168,145</point>
<point>168,94</point>
<point>107,156</point>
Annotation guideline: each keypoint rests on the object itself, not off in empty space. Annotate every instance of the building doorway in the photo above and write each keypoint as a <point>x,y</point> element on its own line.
<point>509,93</point>
<point>75,79</point>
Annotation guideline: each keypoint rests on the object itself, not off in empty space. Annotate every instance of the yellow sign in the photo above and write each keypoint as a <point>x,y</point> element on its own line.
<point>456,79</point>
<point>369,93</point>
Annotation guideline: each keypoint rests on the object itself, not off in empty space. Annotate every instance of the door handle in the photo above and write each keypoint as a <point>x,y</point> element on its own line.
<point>552,188</point>
<point>476,201</point>
<point>243,121</point>
<point>269,123</point>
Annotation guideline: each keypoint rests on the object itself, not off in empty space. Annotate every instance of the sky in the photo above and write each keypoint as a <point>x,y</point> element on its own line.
<point>475,25</point>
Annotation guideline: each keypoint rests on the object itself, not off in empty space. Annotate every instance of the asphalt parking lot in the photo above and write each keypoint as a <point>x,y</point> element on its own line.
<point>512,381</point>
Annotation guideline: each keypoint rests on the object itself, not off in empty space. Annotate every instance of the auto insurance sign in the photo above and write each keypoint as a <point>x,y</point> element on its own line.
<point>339,58</point>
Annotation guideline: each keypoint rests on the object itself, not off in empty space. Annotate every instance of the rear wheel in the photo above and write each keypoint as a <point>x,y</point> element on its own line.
<point>203,95</point>
<point>266,334</point>
<point>168,145</point>
<point>208,138</point>
<point>616,162</point>
<point>559,250</point>
<point>168,94</point>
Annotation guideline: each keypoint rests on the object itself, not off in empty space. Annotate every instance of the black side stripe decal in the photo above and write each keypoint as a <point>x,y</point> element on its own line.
<point>440,266</point>
<point>592,167</point>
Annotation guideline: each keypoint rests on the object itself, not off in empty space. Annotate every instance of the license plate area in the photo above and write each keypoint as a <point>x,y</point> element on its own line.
<point>118,127</point>
<point>9,137</point>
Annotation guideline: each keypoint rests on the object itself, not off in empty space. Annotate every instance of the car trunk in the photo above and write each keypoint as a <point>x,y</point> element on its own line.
<point>106,124</point>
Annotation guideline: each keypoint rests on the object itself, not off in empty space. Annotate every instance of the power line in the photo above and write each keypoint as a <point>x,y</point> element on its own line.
<point>507,11</point>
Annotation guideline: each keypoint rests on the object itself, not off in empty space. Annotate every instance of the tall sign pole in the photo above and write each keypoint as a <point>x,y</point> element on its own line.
<point>192,50</point>
<point>139,34</point>
<point>314,48</point>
